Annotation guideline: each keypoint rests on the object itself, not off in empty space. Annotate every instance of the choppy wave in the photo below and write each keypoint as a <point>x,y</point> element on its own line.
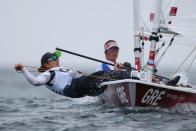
<point>25,107</point>
<point>85,114</point>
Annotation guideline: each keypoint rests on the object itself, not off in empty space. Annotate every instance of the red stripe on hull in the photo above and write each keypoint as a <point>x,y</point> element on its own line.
<point>146,96</point>
<point>118,94</point>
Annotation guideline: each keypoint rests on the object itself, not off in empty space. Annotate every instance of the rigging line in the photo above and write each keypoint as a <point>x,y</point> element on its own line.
<point>160,58</point>
<point>66,70</point>
<point>86,74</point>
<point>30,66</point>
<point>159,48</point>
<point>183,62</point>
<point>37,69</point>
<point>191,63</point>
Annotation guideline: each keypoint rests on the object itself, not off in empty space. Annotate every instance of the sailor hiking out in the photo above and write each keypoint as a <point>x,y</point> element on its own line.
<point>69,82</point>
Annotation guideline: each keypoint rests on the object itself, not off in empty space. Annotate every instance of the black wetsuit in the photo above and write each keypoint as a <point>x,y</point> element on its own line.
<point>90,85</point>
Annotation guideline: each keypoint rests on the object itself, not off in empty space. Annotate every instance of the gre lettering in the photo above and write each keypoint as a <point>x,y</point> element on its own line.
<point>152,96</point>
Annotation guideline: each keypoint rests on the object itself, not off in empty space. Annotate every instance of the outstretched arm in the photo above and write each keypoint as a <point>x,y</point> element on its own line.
<point>36,81</point>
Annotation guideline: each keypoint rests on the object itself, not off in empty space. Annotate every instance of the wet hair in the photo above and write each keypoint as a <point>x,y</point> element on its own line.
<point>42,69</point>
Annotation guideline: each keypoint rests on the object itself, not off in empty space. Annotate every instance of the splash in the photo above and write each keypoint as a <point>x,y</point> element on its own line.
<point>85,100</point>
<point>184,108</point>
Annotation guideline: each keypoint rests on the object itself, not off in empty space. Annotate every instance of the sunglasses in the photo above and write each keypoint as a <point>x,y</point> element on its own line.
<point>53,58</point>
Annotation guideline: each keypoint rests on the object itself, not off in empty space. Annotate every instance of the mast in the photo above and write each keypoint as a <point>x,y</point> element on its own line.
<point>154,38</point>
<point>142,47</point>
<point>137,45</point>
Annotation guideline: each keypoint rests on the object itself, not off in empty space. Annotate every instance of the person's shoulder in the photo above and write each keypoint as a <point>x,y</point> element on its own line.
<point>99,64</point>
<point>99,67</point>
<point>46,73</point>
<point>110,66</point>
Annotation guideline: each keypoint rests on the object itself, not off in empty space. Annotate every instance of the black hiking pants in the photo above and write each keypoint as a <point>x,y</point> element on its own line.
<point>90,85</point>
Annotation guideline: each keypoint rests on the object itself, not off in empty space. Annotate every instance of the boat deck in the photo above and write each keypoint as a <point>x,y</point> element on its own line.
<point>192,89</point>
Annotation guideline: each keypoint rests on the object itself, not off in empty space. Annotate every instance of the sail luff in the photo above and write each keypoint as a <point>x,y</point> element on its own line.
<point>154,39</point>
<point>137,25</point>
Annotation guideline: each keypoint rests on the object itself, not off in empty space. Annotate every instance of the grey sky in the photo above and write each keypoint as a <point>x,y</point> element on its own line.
<point>29,28</point>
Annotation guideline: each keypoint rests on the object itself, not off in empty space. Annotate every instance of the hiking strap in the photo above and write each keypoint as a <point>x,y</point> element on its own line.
<point>52,75</point>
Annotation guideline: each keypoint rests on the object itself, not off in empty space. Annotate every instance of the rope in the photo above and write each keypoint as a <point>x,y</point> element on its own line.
<point>86,74</point>
<point>37,69</point>
<point>65,70</point>
<point>183,62</point>
<point>160,47</point>
<point>191,63</point>
<point>159,59</point>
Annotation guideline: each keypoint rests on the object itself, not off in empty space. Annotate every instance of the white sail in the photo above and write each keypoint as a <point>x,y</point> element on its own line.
<point>180,17</point>
<point>143,23</point>
<point>147,14</point>
<point>154,37</point>
<point>177,15</point>
<point>137,28</point>
<point>146,17</point>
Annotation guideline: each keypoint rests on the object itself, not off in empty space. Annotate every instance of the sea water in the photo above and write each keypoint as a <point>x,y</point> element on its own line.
<point>24,107</point>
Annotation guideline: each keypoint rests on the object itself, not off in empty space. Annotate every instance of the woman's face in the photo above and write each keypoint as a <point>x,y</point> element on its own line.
<point>112,53</point>
<point>52,63</point>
